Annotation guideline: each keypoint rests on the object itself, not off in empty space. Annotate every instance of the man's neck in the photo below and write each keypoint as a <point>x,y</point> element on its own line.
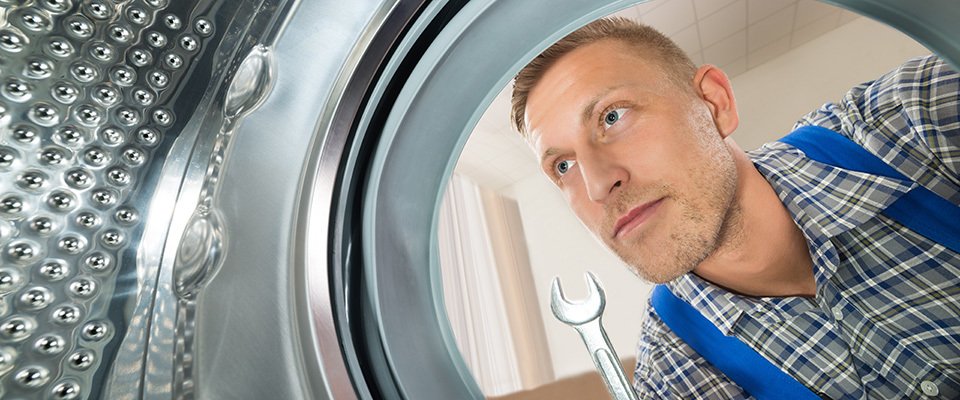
<point>763,252</point>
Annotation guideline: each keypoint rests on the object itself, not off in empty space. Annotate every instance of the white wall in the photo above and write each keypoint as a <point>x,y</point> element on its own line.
<point>771,98</point>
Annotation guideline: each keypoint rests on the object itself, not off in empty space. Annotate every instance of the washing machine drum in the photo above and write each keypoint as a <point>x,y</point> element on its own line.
<point>236,199</point>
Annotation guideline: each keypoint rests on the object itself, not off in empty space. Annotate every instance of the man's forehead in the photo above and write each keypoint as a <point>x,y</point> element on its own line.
<point>558,89</point>
<point>534,142</point>
<point>569,90</point>
<point>538,144</point>
<point>583,68</point>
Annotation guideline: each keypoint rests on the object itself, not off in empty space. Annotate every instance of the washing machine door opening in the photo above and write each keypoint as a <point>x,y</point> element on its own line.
<point>410,148</point>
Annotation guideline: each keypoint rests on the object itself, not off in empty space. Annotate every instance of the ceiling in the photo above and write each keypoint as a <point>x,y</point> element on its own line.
<point>735,35</point>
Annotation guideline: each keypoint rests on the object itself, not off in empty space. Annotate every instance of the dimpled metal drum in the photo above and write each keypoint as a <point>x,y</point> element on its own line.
<point>101,101</point>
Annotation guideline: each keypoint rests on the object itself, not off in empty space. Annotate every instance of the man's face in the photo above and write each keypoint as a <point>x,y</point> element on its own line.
<point>639,160</point>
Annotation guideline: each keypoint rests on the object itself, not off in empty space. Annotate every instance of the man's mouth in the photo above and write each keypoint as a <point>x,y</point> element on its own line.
<point>635,217</point>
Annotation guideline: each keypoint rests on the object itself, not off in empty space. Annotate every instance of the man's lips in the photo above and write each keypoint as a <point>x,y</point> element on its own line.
<point>635,218</point>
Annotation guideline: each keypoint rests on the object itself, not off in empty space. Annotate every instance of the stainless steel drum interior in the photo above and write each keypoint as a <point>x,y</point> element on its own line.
<point>237,199</point>
<point>112,112</point>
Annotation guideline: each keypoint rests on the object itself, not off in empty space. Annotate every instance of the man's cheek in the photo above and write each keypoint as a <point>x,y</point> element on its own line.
<point>587,212</point>
<point>576,198</point>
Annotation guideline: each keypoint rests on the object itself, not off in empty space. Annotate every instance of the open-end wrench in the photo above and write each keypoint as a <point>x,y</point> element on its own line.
<point>585,316</point>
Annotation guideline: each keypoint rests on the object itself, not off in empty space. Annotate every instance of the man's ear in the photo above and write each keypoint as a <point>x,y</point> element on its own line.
<point>714,88</point>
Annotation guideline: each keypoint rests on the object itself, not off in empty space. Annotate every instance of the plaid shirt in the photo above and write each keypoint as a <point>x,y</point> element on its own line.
<point>885,322</point>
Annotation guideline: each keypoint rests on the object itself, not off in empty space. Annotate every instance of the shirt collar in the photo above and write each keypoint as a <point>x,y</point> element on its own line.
<point>824,200</point>
<point>714,303</point>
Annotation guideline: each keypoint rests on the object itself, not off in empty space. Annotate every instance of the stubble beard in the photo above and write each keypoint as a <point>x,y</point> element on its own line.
<point>704,226</point>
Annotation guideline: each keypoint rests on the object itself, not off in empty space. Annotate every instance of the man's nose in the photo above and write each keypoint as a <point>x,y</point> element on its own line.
<point>602,176</point>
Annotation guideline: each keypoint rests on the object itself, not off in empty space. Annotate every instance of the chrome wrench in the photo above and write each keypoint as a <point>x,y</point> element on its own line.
<point>585,316</point>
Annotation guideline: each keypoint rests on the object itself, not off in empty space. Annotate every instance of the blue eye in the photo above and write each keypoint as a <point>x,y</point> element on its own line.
<point>613,116</point>
<point>564,166</point>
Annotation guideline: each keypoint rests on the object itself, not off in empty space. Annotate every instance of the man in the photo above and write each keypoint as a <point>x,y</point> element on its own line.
<point>790,255</point>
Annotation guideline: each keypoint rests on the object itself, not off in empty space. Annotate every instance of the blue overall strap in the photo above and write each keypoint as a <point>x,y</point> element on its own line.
<point>743,365</point>
<point>919,209</point>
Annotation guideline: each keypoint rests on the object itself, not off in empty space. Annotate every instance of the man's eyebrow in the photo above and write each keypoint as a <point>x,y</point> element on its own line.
<point>587,112</point>
<point>549,153</point>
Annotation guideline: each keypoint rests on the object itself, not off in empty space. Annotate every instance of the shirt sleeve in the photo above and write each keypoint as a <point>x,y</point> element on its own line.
<point>907,117</point>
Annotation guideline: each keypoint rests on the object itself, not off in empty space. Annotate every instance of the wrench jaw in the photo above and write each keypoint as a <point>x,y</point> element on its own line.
<point>581,312</point>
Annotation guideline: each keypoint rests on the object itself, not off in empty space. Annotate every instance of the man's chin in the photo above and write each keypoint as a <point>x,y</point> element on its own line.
<point>659,276</point>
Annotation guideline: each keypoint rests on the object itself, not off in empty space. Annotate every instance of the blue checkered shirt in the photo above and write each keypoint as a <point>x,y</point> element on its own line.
<point>885,322</point>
